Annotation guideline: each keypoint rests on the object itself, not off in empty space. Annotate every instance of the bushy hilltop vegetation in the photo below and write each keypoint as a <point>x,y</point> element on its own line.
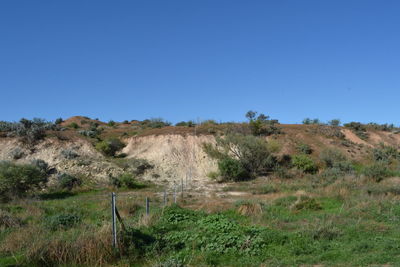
<point>311,194</point>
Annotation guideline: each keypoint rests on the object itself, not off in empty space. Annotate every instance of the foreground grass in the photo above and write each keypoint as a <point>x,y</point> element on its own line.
<point>349,222</point>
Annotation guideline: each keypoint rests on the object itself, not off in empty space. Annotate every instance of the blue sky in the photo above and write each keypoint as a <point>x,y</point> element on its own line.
<point>206,59</point>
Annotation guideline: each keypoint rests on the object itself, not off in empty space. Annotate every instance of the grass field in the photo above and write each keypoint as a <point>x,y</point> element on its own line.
<point>352,221</point>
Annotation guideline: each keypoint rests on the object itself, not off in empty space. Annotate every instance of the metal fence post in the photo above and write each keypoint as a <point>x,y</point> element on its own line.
<point>114,221</point>
<point>175,194</point>
<point>147,206</point>
<point>165,197</point>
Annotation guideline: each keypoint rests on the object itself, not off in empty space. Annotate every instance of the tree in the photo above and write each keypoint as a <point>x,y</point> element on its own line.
<point>334,122</point>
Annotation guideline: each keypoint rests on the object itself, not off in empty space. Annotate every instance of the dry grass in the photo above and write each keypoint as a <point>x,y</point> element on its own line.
<point>8,220</point>
<point>253,209</point>
<point>90,248</point>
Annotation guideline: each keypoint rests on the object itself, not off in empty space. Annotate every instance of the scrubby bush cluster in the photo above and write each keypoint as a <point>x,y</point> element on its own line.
<point>304,149</point>
<point>67,181</point>
<point>18,179</point>
<point>260,124</point>
<point>304,163</point>
<point>358,128</point>
<point>382,127</point>
<point>241,156</point>
<point>311,121</point>
<point>69,153</point>
<point>29,131</point>
<point>126,180</point>
<point>155,123</point>
<point>110,146</point>
<point>189,123</point>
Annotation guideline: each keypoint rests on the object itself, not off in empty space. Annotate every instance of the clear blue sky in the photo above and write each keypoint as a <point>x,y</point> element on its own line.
<point>204,59</point>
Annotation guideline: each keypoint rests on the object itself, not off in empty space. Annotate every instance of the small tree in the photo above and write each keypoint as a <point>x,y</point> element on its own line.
<point>334,122</point>
<point>261,124</point>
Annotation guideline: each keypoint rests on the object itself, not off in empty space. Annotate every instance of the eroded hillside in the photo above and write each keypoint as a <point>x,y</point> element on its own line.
<point>175,153</point>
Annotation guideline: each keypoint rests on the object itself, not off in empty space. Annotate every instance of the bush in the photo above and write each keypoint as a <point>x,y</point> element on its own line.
<point>111,123</point>
<point>126,180</point>
<point>73,125</point>
<point>155,123</point>
<point>186,123</point>
<point>17,153</point>
<point>135,165</point>
<point>67,181</point>
<point>385,154</point>
<point>377,171</point>
<point>110,147</point>
<point>69,153</point>
<point>30,131</point>
<point>304,163</point>
<point>41,165</point>
<point>17,180</point>
<point>58,121</point>
<point>331,156</point>
<point>358,128</point>
<point>311,121</point>
<point>251,152</point>
<point>261,125</point>
<point>334,122</point>
<point>232,169</point>
<point>62,221</point>
<point>304,149</point>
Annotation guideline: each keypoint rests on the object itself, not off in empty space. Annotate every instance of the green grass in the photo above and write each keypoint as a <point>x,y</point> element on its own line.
<point>354,228</point>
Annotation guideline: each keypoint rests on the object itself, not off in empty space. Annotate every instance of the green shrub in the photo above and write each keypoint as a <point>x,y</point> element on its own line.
<point>213,175</point>
<point>186,123</point>
<point>18,179</point>
<point>137,166</point>
<point>67,181</point>
<point>73,125</point>
<point>111,123</point>
<point>377,171</point>
<point>307,203</point>
<point>58,121</point>
<point>17,153</point>
<point>155,123</point>
<point>385,154</point>
<point>261,124</point>
<point>110,147</point>
<point>29,131</point>
<point>62,221</point>
<point>251,152</point>
<point>232,169</point>
<point>304,163</point>
<point>311,121</point>
<point>126,180</point>
<point>42,165</point>
<point>334,122</point>
<point>304,149</point>
<point>331,156</point>
<point>69,153</point>
<point>358,128</point>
